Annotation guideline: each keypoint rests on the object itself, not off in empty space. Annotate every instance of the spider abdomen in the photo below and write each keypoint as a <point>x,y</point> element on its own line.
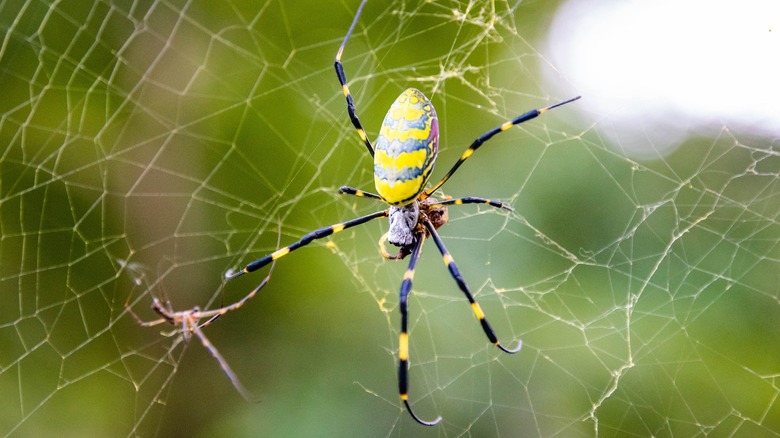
<point>406,148</point>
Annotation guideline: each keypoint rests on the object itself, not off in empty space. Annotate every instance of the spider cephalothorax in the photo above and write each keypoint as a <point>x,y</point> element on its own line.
<point>406,225</point>
<point>403,224</point>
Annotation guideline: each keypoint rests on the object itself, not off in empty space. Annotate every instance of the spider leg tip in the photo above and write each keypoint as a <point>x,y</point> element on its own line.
<point>512,350</point>
<point>231,274</point>
<point>436,421</point>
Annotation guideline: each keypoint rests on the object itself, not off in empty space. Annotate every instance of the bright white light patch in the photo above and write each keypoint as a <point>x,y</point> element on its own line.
<point>664,68</point>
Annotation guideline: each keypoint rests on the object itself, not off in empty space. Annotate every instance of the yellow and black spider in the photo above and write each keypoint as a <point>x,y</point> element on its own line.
<point>404,156</point>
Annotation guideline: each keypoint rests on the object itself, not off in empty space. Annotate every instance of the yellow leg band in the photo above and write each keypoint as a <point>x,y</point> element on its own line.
<point>403,347</point>
<point>477,311</point>
<point>280,253</point>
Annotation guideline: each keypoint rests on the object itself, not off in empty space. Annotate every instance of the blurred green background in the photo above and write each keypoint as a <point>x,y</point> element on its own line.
<point>150,147</point>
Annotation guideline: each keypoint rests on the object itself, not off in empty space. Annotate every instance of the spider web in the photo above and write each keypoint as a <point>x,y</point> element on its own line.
<point>153,146</point>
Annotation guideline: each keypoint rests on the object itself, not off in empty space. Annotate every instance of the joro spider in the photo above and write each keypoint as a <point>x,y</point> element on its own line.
<point>404,157</point>
<point>189,324</point>
<point>405,154</point>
